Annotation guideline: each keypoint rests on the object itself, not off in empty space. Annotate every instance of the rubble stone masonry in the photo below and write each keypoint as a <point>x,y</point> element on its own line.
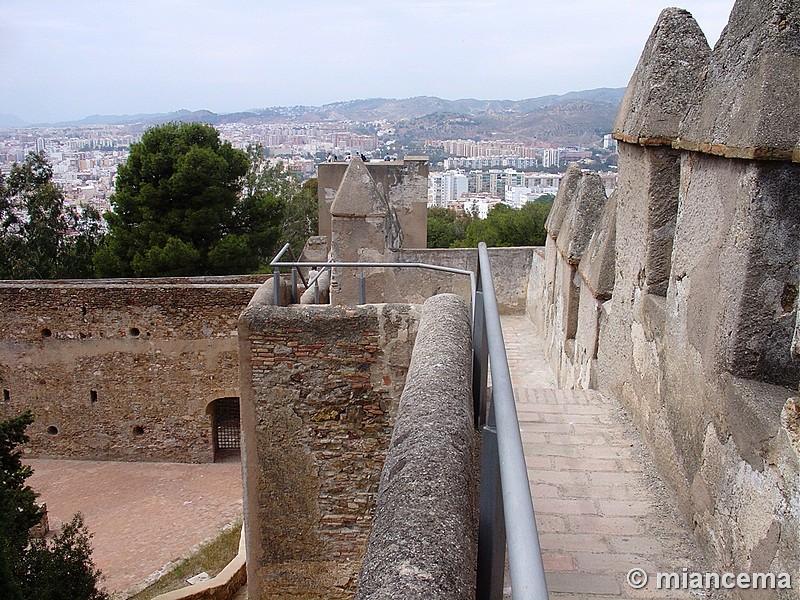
<point>320,388</point>
<point>122,370</point>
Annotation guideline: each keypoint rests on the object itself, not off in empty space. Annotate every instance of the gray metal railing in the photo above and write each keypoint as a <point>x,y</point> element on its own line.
<point>506,506</point>
<point>276,264</point>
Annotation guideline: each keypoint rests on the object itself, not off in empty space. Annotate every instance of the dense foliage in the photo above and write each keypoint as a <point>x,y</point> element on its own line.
<point>40,237</point>
<point>187,203</point>
<point>446,227</point>
<point>173,203</point>
<point>503,226</point>
<point>32,568</point>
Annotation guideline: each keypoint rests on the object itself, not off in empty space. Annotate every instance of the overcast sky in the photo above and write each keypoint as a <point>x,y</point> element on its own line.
<point>67,59</point>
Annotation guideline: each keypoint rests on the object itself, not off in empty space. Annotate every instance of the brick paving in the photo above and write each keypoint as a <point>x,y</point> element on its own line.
<point>142,515</point>
<point>601,509</point>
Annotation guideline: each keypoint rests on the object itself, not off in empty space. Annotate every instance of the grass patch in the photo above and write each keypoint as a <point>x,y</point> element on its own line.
<point>211,558</point>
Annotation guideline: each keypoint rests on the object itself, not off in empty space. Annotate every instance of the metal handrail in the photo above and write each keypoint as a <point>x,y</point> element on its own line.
<point>276,264</point>
<point>508,496</point>
<point>506,506</point>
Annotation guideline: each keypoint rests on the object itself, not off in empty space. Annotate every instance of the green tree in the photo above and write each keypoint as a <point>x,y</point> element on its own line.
<point>18,510</point>
<point>40,237</point>
<point>446,228</point>
<point>31,568</point>
<point>506,226</point>
<point>301,216</point>
<point>289,207</point>
<point>174,202</point>
<point>186,203</point>
<point>62,569</point>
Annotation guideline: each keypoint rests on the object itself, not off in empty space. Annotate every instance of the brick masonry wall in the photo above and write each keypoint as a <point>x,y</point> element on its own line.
<point>320,388</point>
<point>120,370</point>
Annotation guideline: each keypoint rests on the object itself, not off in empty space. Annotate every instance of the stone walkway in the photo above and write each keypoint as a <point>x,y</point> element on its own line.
<point>142,515</point>
<point>601,509</point>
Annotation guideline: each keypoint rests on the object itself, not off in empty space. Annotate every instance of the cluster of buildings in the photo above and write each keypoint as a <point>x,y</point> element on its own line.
<point>477,191</point>
<point>476,176</point>
<point>482,174</point>
<point>84,159</point>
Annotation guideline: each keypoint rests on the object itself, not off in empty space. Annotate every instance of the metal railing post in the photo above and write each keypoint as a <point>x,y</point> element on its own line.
<point>491,524</point>
<point>294,285</point>
<point>362,287</point>
<point>276,285</point>
<point>480,361</point>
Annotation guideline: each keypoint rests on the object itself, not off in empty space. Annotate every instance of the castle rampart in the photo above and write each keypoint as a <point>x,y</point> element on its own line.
<point>320,387</point>
<point>684,303</point>
<point>122,370</point>
<point>423,541</point>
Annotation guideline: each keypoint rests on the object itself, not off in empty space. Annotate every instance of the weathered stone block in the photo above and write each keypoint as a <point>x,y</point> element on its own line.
<point>665,81</point>
<point>748,106</point>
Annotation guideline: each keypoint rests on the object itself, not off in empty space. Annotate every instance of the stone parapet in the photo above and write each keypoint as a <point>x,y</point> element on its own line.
<point>117,370</point>
<point>423,542</point>
<point>510,269</point>
<point>698,337</point>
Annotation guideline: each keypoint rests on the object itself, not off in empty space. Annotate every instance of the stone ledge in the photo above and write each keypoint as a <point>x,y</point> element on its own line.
<point>223,586</point>
<point>724,150</point>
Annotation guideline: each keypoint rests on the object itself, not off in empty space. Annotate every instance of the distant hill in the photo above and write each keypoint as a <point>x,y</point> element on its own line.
<point>11,121</point>
<point>573,118</point>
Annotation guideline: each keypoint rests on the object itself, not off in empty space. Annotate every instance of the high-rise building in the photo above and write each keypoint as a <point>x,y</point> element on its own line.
<point>445,188</point>
<point>551,157</point>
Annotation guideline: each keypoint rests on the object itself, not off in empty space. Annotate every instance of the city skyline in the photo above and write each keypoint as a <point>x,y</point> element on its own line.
<point>68,60</point>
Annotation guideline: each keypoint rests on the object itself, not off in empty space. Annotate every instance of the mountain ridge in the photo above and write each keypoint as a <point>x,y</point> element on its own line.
<point>574,117</point>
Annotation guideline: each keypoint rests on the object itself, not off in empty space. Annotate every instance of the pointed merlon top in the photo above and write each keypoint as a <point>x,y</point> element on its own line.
<point>665,81</point>
<point>750,103</point>
<point>583,216</point>
<point>565,195</point>
<point>358,196</point>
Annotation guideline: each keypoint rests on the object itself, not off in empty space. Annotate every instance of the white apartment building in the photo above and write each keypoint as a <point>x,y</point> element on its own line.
<point>515,194</point>
<point>487,162</point>
<point>446,188</point>
<point>478,205</point>
<point>551,157</point>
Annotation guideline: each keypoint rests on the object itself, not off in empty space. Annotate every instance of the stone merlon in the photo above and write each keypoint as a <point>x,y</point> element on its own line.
<point>749,105</point>
<point>665,81</point>
<point>358,196</point>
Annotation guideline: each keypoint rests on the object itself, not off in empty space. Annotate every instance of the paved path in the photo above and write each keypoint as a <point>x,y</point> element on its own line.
<point>142,515</point>
<point>601,509</point>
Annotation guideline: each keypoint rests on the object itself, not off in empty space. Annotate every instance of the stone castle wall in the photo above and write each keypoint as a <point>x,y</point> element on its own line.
<point>404,185</point>
<point>320,387</point>
<point>427,505</point>
<point>683,303</point>
<point>121,370</point>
